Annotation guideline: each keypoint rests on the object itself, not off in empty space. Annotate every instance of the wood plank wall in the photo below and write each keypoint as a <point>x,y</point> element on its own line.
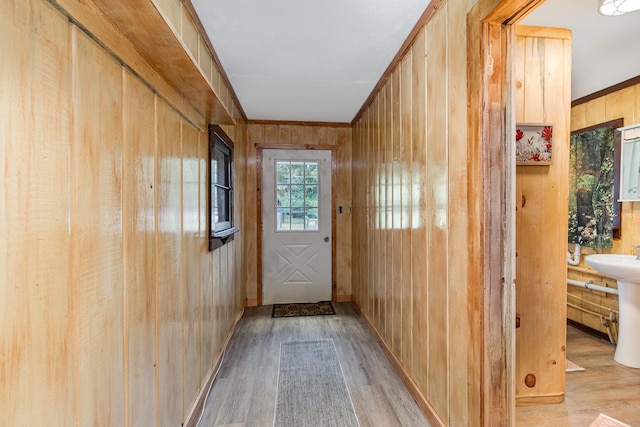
<point>542,68</point>
<point>411,220</point>
<point>112,309</point>
<point>625,104</point>
<point>293,134</point>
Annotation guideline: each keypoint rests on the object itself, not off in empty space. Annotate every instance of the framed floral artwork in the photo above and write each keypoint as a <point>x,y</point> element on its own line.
<point>534,143</point>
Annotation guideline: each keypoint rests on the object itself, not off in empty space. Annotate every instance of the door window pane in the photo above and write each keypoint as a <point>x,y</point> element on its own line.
<point>311,173</point>
<point>283,219</point>
<point>296,196</point>
<point>297,219</point>
<point>297,172</point>
<point>311,196</point>
<point>311,219</point>
<point>283,172</point>
<point>283,198</point>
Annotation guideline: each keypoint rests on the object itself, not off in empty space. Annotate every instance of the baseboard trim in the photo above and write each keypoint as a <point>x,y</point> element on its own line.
<point>589,330</point>
<point>344,298</point>
<point>193,416</point>
<point>543,399</point>
<point>251,303</point>
<point>411,386</point>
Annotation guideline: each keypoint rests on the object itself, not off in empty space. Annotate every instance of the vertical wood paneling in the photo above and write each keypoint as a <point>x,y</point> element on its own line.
<point>190,275</point>
<point>377,203</point>
<point>387,211</point>
<point>232,286</point>
<point>111,231</point>
<point>205,61</point>
<point>377,294</point>
<point>541,271</point>
<point>463,390</point>
<point>616,103</point>
<point>284,134</point>
<point>365,206</point>
<point>419,309</point>
<point>227,281</point>
<point>355,208</point>
<point>138,169</point>
<point>188,32</point>
<point>578,117</point>
<point>240,194</point>
<point>207,354</point>
<point>343,200</point>
<point>406,350</point>
<point>598,111</point>
<point>169,254</point>
<point>96,234</point>
<point>171,10</point>
<point>217,80</point>
<point>393,183</point>
<point>272,135</point>
<point>297,135</point>
<point>437,208</point>
<point>35,314</point>
<point>383,162</point>
<point>369,277</point>
<point>218,293</point>
<point>424,182</point>
<point>255,134</point>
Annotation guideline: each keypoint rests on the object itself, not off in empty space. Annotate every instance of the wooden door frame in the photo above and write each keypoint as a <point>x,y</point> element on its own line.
<point>491,119</point>
<point>259,150</point>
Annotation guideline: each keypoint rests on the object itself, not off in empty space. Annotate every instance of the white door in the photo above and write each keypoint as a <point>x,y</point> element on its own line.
<point>296,221</point>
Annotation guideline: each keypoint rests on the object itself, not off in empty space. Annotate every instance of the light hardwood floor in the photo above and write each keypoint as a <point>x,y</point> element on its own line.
<point>604,387</point>
<point>244,391</point>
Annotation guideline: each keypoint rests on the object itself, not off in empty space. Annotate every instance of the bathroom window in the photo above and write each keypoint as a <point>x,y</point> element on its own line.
<point>220,200</point>
<point>594,162</point>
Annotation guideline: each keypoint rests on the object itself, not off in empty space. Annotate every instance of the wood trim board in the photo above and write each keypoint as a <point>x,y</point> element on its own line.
<point>298,123</point>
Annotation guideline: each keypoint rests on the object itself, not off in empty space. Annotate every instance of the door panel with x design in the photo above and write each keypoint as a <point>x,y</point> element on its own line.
<point>296,218</point>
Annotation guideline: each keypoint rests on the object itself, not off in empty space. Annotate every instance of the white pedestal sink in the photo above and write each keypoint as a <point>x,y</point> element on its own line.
<point>626,270</point>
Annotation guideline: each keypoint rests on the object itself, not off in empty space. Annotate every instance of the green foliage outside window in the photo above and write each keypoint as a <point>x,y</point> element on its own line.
<point>591,188</point>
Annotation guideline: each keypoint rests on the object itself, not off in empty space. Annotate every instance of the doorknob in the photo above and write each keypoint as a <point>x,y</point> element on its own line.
<point>326,239</point>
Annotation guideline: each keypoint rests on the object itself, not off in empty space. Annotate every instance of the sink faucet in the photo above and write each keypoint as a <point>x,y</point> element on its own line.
<point>637,248</point>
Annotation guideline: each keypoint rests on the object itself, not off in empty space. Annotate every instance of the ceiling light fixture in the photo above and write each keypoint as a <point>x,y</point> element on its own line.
<point>618,7</point>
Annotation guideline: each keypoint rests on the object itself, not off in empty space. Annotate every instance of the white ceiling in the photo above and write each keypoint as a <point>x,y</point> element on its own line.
<point>301,60</point>
<point>304,60</point>
<point>606,49</point>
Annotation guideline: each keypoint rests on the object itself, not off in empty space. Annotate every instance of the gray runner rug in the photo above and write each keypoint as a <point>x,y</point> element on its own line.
<point>311,388</point>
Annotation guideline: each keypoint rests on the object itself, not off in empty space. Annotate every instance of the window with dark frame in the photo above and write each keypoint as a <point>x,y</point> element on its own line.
<point>220,200</point>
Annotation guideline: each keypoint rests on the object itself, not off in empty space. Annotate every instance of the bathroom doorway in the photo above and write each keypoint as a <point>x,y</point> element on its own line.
<point>496,128</point>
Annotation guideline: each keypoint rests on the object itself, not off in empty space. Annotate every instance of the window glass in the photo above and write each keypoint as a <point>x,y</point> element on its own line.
<point>311,173</point>
<point>220,188</point>
<point>283,172</point>
<point>296,196</point>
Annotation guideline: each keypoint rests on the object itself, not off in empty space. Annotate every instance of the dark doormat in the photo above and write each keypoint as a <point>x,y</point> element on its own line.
<point>303,309</point>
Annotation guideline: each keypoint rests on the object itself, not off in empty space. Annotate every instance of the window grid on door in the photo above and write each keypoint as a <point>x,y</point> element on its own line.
<point>297,196</point>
